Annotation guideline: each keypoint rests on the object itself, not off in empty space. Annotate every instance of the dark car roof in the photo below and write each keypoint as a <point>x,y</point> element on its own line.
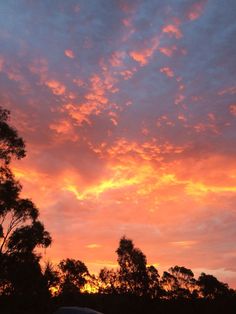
<point>75,310</point>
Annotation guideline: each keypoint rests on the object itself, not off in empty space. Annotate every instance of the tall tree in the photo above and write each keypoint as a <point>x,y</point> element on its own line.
<point>154,289</point>
<point>11,145</point>
<point>179,282</point>
<point>51,277</point>
<point>169,285</point>
<point>133,271</point>
<point>20,230</point>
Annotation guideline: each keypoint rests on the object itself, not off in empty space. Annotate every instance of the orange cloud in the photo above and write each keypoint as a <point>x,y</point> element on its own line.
<point>184,244</point>
<point>62,126</point>
<point>95,99</point>
<point>172,30</point>
<point>56,87</point>
<point>93,246</point>
<point>141,188</point>
<point>64,130</point>
<point>142,56</point>
<point>128,151</point>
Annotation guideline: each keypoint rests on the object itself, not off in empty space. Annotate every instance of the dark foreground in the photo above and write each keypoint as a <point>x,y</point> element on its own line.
<point>118,304</point>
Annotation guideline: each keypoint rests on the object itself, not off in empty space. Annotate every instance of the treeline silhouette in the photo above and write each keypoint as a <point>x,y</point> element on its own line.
<point>134,287</point>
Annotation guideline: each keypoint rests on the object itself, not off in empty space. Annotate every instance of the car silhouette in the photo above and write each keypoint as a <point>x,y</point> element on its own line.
<point>75,310</point>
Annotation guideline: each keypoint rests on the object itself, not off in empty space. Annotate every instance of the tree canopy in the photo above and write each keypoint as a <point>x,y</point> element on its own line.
<point>21,231</point>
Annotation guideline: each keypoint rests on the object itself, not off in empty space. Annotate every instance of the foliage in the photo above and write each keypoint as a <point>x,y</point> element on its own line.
<point>51,277</point>
<point>133,275</point>
<point>11,145</point>
<point>73,276</point>
<point>109,281</point>
<point>20,230</point>
<point>211,288</point>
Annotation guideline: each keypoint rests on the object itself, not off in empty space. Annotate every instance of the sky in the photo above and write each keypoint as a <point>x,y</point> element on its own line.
<point>128,112</point>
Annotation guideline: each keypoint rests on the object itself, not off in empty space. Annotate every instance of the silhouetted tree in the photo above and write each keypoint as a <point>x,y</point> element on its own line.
<point>51,277</point>
<point>11,145</point>
<point>24,275</point>
<point>169,285</point>
<point>74,275</point>
<point>133,275</point>
<point>109,281</point>
<point>154,289</point>
<point>211,287</point>
<point>20,230</point>
<point>186,283</point>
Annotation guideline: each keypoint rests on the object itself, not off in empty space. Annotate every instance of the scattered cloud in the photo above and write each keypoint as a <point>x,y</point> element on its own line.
<point>167,71</point>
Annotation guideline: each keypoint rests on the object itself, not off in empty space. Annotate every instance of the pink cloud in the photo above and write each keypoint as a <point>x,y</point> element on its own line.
<point>129,28</point>
<point>77,8</point>
<point>69,53</point>
<point>182,117</point>
<point>1,62</point>
<point>127,74</point>
<point>127,22</point>
<point>114,117</point>
<point>167,71</point>
<point>117,58</point>
<point>39,67</point>
<point>168,51</point>
<point>205,127</point>
<point>232,109</point>
<point>127,7</point>
<point>228,90</point>
<point>179,98</point>
<point>196,10</point>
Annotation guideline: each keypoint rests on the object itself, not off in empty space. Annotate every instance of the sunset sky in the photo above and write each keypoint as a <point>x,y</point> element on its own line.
<point>128,110</point>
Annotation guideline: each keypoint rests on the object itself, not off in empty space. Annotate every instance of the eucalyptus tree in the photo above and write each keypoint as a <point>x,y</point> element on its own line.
<point>21,231</point>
